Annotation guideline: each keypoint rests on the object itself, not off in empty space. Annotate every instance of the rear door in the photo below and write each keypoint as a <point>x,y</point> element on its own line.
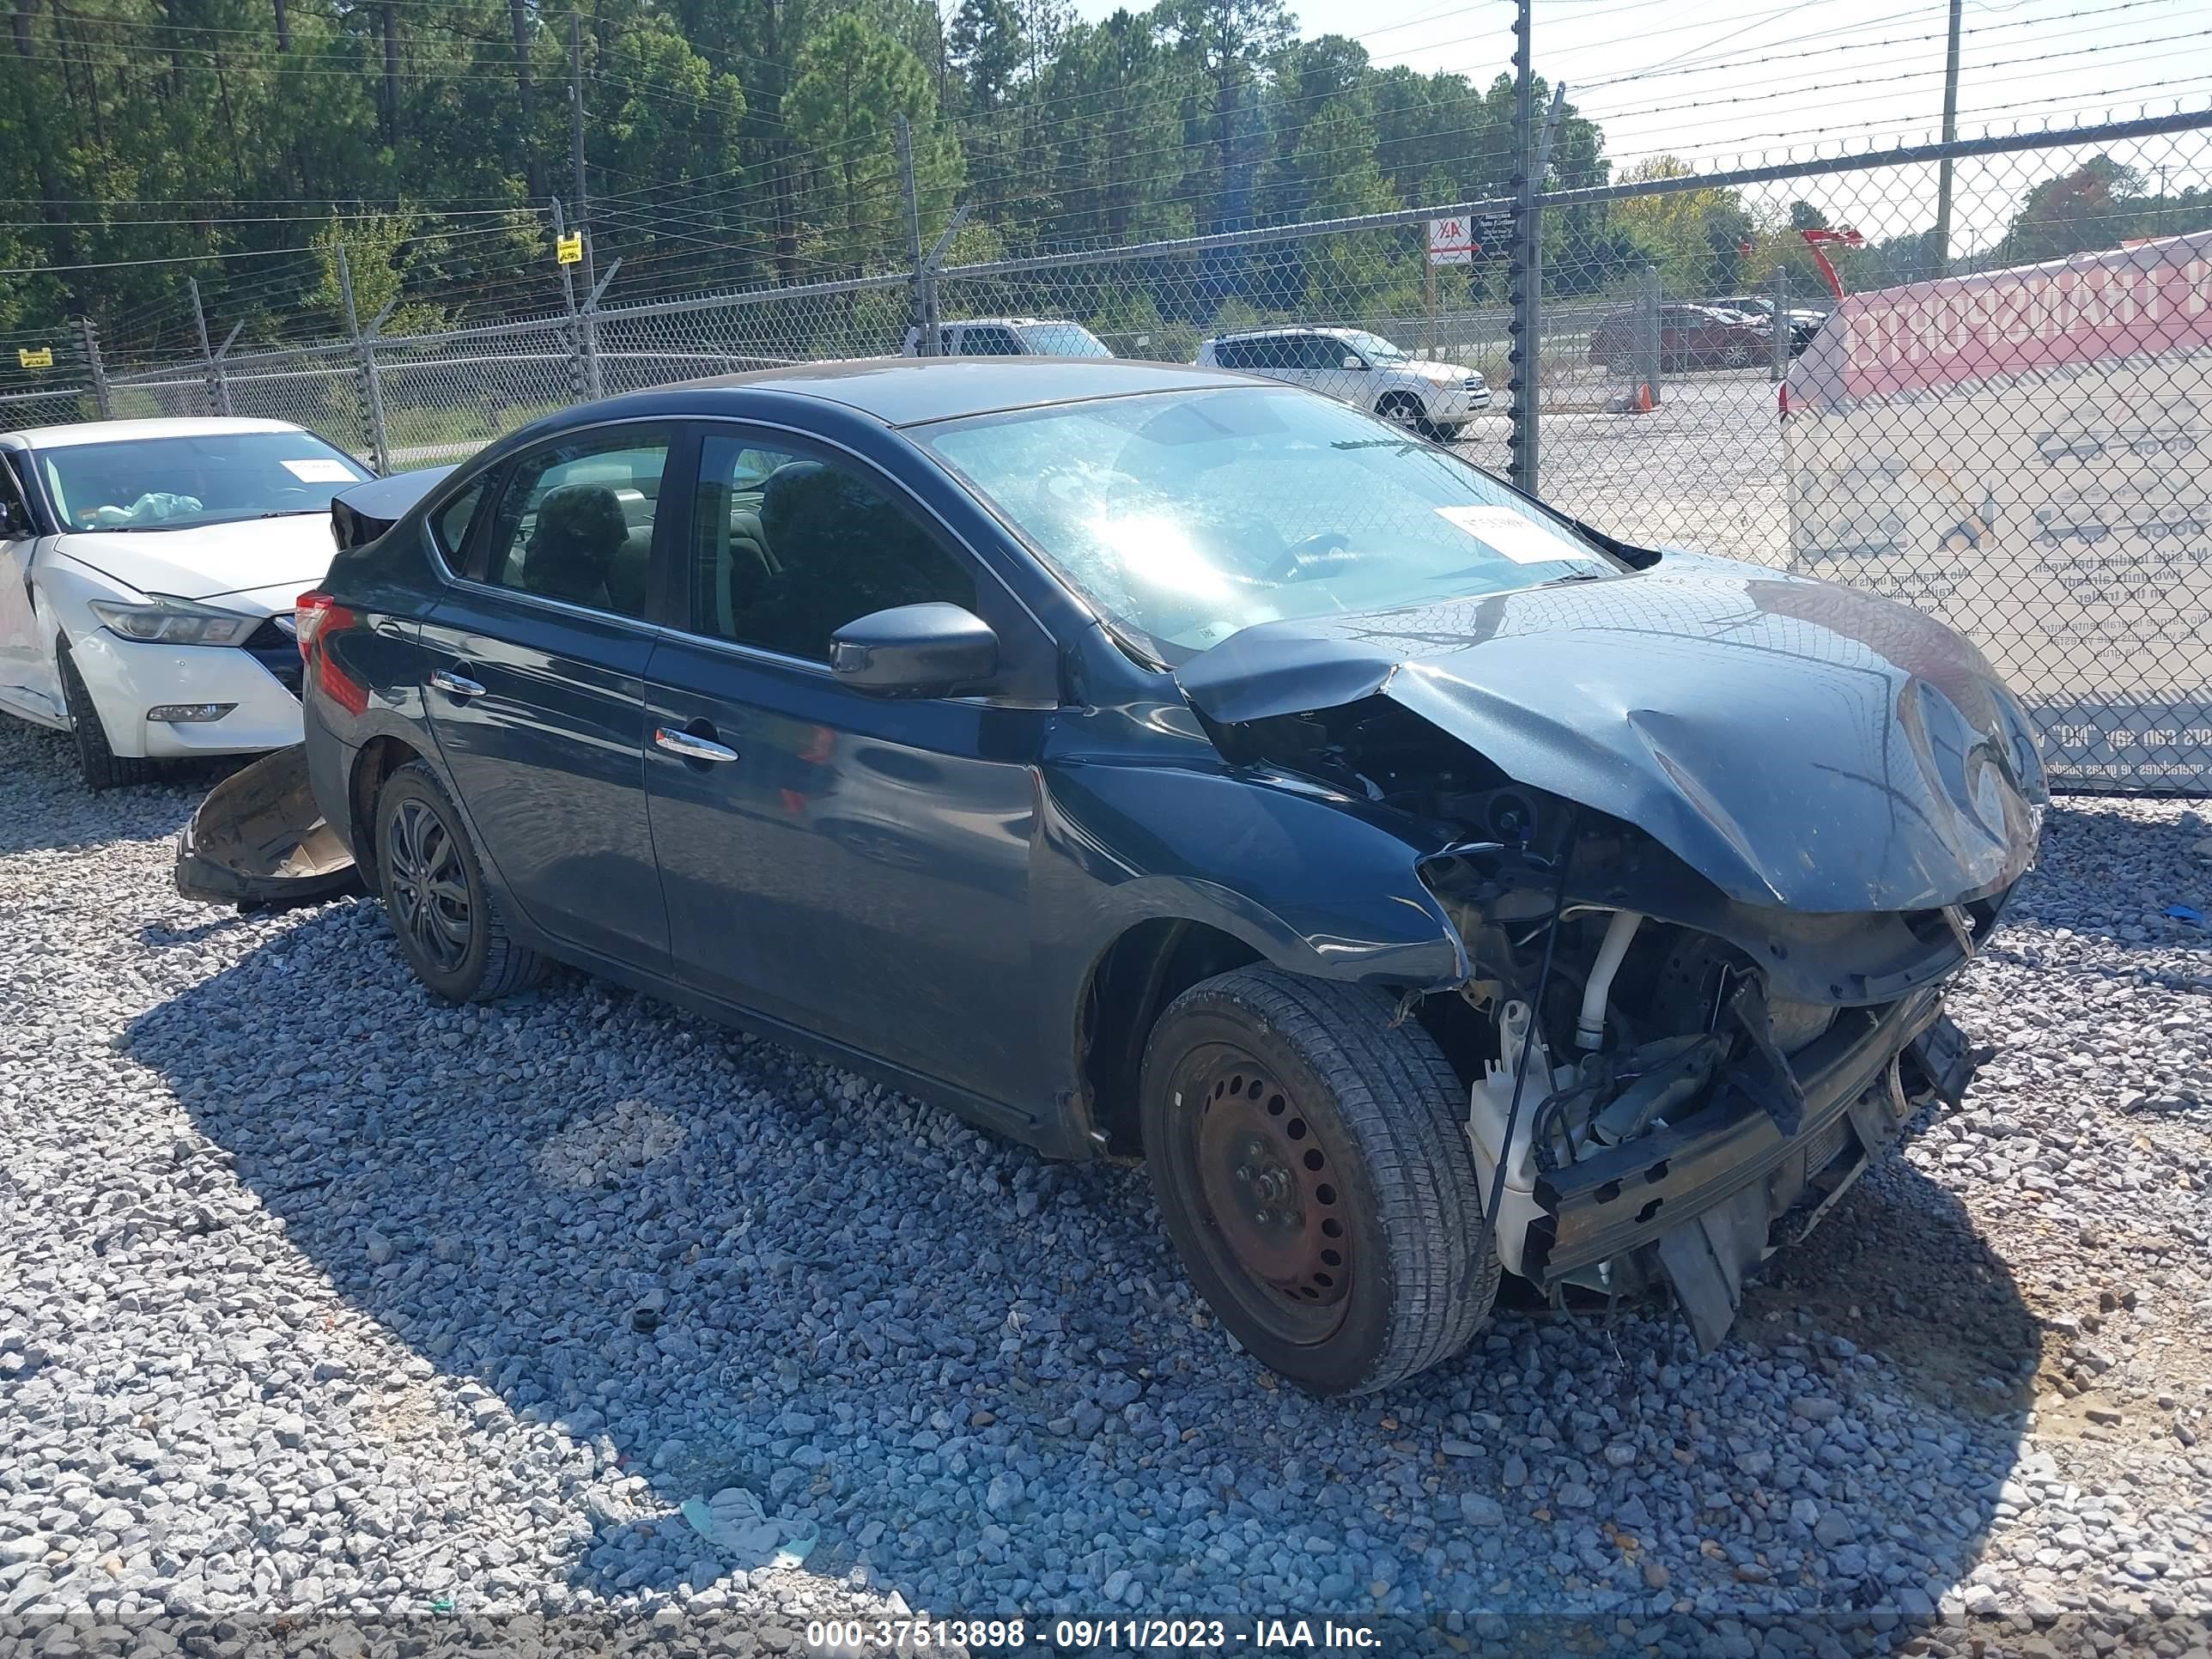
<point>536,683</point>
<point>853,866</point>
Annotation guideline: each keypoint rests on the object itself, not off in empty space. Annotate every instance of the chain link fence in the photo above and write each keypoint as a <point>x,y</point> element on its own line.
<point>2007,424</point>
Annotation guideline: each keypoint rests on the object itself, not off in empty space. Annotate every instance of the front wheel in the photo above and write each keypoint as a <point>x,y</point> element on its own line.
<point>97,763</point>
<point>441,910</point>
<point>1404,413</point>
<point>1312,1163</point>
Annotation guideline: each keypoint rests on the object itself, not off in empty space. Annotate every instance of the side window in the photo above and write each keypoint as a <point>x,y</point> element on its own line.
<point>576,521</point>
<point>449,527</point>
<point>991,343</point>
<point>787,550</point>
<point>14,506</point>
<point>1319,351</point>
<point>1232,354</point>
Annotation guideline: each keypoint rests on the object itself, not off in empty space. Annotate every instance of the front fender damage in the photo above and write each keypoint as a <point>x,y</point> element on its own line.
<point>1692,1078</point>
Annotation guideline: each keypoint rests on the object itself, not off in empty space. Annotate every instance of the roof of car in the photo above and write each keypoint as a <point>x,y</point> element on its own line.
<point>907,391</point>
<point>1273,333</point>
<point>110,432</point>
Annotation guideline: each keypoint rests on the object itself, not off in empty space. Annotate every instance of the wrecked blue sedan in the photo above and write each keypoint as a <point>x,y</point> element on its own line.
<point>1152,763</point>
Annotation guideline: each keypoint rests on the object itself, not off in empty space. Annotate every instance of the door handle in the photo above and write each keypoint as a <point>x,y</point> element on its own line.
<point>690,747</point>
<point>455,685</point>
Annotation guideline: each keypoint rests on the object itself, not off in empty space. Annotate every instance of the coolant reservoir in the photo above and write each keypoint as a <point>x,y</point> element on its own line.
<point>1489,1104</point>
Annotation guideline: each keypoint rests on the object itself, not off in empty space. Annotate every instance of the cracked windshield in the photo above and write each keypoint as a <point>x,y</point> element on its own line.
<point>1186,518</point>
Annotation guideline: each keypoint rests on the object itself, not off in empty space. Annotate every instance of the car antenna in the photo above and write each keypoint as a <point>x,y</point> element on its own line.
<point>1561,865</point>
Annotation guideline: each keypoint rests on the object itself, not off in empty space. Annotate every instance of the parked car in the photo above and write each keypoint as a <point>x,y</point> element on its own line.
<point>146,575</point>
<point>1145,761</point>
<point>1011,336</point>
<point>1690,337</point>
<point>1804,320</point>
<point>1359,369</point>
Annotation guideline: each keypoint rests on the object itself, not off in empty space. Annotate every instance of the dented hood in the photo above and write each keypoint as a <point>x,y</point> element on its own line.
<point>1797,743</point>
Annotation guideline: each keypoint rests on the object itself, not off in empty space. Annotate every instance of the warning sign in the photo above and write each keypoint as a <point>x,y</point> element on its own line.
<point>1451,242</point>
<point>35,356</point>
<point>569,249</point>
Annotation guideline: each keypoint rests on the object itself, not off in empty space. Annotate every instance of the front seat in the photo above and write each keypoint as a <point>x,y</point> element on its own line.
<point>841,550</point>
<point>580,531</point>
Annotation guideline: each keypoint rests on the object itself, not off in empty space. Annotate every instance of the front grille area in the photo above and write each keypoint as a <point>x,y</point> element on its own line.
<point>273,647</point>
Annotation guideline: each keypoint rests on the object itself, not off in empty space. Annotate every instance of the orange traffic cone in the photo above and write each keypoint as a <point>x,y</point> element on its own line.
<point>1644,404</point>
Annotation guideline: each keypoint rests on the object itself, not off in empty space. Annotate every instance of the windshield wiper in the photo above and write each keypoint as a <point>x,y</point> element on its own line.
<point>1575,576</point>
<point>278,513</point>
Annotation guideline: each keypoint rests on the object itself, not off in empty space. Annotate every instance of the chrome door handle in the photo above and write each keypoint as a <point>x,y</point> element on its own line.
<point>455,685</point>
<point>691,748</point>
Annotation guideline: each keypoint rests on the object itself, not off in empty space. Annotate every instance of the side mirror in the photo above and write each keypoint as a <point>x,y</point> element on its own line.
<point>913,651</point>
<point>1351,362</point>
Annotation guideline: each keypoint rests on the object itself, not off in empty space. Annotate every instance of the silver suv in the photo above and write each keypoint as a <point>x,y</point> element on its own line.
<point>1359,369</point>
<point>1011,336</point>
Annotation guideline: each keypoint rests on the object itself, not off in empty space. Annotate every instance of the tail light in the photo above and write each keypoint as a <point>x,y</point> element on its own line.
<point>309,612</point>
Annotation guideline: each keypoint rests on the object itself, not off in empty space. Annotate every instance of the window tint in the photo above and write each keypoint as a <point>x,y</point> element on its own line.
<point>989,343</point>
<point>575,523</point>
<point>1319,351</point>
<point>783,557</point>
<point>450,527</point>
<point>1232,354</point>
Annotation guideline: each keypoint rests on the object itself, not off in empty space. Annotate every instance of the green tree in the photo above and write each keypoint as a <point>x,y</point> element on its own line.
<point>851,81</point>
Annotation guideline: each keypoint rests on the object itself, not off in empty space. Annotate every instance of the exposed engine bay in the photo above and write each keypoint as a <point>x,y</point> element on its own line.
<point>1675,1082</point>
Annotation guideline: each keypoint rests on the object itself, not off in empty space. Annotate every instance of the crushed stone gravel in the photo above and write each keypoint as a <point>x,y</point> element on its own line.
<point>318,1299</point>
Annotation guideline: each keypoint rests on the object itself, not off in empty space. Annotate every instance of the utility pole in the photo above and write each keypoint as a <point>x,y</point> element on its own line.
<point>576,141</point>
<point>1950,135</point>
<point>922,340</point>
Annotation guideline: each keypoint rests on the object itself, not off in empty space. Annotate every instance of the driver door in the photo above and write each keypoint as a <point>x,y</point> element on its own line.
<point>26,680</point>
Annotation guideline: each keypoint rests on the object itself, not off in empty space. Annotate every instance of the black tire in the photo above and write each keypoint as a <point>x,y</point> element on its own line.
<point>441,909</point>
<point>97,763</point>
<point>1403,409</point>
<point>1264,1088</point>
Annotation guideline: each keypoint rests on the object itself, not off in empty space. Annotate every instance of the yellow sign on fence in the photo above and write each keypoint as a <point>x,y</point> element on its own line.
<point>569,249</point>
<point>40,357</point>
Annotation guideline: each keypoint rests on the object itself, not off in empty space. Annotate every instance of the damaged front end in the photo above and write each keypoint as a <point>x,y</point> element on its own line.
<point>1687,1083</point>
<point>1714,840</point>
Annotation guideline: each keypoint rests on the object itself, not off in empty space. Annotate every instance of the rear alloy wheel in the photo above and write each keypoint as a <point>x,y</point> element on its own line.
<point>97,763</point>
<point>1312,1163</point>
<point>444,916</point>
<point>1737,357</point>
<point>1405,412</point>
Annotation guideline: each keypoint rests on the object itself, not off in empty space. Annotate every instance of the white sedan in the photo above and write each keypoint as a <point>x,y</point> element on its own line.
<point>146,575</point>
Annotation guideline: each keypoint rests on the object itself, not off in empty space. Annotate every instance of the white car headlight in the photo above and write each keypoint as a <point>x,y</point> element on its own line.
<point>173,621</point>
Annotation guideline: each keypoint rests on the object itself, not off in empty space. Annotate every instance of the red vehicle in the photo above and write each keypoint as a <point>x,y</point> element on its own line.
<point>1690,337</point>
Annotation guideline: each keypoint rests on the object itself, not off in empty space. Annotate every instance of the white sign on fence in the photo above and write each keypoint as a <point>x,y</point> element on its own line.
<point>1451,242</point>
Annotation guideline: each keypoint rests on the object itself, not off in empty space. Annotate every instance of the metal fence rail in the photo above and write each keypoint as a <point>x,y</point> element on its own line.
<point>2017,491</point>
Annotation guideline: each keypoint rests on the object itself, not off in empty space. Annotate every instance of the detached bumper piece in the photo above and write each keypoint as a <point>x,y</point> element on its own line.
<point>259,839</point>
<point>1716,1194</point>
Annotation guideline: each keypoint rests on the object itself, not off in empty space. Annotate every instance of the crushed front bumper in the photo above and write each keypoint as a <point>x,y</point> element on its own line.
<point>1711,1197</point>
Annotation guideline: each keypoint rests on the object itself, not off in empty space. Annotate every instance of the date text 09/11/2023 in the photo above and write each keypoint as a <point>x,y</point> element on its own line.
<point>920,1633</point>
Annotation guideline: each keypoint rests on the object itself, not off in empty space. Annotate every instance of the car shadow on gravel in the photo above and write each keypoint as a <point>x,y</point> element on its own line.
<point>644,1260</point>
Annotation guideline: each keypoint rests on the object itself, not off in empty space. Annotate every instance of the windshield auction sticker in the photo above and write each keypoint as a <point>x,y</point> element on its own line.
<point>320,470</point>
<point>1511,536</point>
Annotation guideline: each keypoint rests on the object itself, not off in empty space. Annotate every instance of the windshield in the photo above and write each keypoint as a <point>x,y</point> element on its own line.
<point>1186,516</point>
<point>1373,347</point>
<point>1063,340</point>
<point>173,483</point>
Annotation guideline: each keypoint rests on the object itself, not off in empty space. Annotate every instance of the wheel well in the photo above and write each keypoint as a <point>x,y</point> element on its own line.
<point>1140,972</point>
<point>379,759</point>
<point>1390,399</point>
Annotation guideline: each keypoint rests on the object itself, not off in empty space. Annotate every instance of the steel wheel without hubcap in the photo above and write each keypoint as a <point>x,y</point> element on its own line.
<point>1308,1154</point>
<point>429,891</point>
<point>1276,1214</point>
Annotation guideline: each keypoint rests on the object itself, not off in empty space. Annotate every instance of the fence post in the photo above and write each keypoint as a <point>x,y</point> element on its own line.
<point>1783,334</point>
<point>931,344</point>
<point>87,345</point>
<point>925,336</point>
<point>1650,336</point>
<point>1521,272</point>
<point>578,380</point>
<point>209,371</point>
<point>364,348</point>
<point>594,375</point>
<point>222,366</point>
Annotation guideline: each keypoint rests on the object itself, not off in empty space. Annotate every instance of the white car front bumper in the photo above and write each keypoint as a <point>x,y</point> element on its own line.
<point>126,678</point>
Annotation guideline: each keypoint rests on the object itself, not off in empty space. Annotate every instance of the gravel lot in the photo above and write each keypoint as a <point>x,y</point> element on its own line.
<point>317,1297</point>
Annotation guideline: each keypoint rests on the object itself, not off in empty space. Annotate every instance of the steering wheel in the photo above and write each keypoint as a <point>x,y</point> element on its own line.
<point>1295,557</point>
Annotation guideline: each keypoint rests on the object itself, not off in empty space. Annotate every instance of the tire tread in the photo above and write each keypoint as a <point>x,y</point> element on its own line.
<point>509,966</point>
<point>98,764</point>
